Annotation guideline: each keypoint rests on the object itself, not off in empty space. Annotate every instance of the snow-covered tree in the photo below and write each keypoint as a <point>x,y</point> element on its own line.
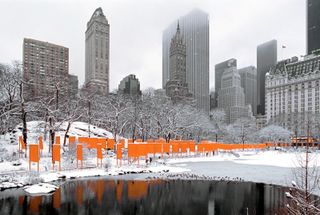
<point>274,133</point>
<point>217,117</point>
<point>241,131</point>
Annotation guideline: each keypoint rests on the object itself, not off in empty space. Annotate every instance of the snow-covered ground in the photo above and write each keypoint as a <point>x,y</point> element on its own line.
<point>266,166</point>
<point>277,158</point>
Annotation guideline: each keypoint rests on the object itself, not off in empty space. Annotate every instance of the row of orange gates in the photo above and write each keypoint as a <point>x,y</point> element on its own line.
<point>135,150</point>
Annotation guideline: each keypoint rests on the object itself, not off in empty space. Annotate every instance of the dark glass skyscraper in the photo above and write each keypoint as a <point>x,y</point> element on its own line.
<point>266,59</point>
<point>313,25</point>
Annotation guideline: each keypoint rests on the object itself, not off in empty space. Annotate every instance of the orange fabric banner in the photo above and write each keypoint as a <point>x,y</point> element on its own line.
<point>72,140</point>
<point>55,153</point>
<point>57,140</point>
<point>34,153</point>
<point>41,143</point>
<point>119,151</point>
<point>22,143</point>
<point>79,152</point>
<point>110,143</point>
<point>103,142</point>
<point>99,151</point>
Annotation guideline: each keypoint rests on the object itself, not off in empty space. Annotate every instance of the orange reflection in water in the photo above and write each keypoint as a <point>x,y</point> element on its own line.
<point>137,189</point>
<point>79,193</point>
<point>119,189</point>
<point>35,203</point>
<point>57,199</point>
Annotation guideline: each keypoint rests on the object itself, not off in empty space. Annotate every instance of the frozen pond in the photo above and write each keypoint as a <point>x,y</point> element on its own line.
<point>105,196</point>
<point>255,173</point>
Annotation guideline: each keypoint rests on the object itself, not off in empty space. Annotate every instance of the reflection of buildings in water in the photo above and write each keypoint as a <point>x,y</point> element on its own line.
<point>239,195</point>
<point>211,207</point>
<point>157,197</point>
<point>273,199</point>
<point>246,197</point>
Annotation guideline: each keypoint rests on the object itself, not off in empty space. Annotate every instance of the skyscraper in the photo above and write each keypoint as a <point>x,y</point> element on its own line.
<point>130,85</point>
<point>177,87</point>
<point>97,53</point>
<point>219,69</point>
<point>313,25</point>
<point>195,30</point>
<point>249,84</point>
<point>45,69</point>
<point>231,96</point>
<point>266,59</point>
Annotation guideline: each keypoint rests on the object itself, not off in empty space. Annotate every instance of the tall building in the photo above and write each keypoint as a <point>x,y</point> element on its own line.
<point>97,53</point>
<point>231,96</point>
<point>218,71</point>
<point>293,89</point>
<point>249,84</point>
<point>266,59</point>
<point>213,100</point>
<point>46,67</point>
<point>130,85</point>
<point>195,30</point>
<point>313,25</point>
<point>177,87</point>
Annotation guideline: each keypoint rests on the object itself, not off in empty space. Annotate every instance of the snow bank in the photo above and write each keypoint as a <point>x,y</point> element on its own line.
<point>40,189</point>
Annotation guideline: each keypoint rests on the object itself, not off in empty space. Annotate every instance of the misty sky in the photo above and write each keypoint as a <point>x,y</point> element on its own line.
<point>236,28</point>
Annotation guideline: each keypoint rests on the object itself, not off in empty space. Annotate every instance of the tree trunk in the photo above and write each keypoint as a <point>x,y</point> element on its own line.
<point>66,133</point>
<point>51,133</point>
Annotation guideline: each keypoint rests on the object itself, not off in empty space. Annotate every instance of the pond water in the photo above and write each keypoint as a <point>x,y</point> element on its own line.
<point>105,196</point>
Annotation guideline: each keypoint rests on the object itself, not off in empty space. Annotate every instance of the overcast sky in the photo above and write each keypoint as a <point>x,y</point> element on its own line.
<point>236,28</point>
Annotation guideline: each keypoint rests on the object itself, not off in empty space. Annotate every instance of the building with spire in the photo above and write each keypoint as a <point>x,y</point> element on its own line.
<point>97,53</point>
<point>177,87</point>
<point>195,29</point>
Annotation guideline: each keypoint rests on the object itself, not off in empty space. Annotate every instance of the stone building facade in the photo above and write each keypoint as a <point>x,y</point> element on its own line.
<point>292,89</point>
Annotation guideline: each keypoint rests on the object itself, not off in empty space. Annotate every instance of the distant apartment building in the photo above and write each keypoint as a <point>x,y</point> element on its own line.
<point>249,84</point>
<point>130,85</point>
<point>231,96</point>
<point>266,59</point>
<point>195,30</point>
<point>46,69</point>
<point>97,53</point>
<point>292,89</point>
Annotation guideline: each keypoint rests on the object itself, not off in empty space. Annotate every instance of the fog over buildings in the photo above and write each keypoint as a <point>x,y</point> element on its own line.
<point>137,26</point>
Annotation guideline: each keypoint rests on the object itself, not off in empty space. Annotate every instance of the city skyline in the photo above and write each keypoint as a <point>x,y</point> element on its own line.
<point>235,37</point>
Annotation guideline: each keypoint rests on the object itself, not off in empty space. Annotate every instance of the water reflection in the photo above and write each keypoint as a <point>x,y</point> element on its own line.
<point>103,196</point>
